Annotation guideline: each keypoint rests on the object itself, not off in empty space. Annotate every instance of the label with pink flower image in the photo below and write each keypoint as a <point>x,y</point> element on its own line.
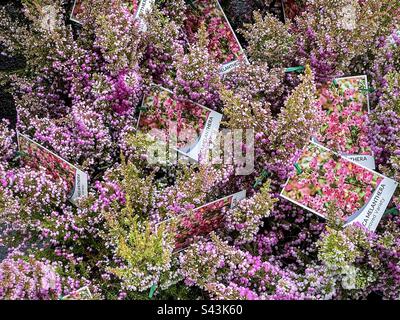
<point>346,120</point>
<point>223,45</point>
<point>200,222</point>
<point>323,178</point>
<point>183,125</point>
<point>35,156</point>
<point>77,9</point>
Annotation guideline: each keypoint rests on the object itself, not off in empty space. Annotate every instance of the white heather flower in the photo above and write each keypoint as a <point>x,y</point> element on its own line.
<point>348,17</point>
<point>49,19</point>
<point>392,39</point>
<point>349,279</point>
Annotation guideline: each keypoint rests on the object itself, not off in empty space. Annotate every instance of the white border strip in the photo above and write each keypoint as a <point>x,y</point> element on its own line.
<point>71,17</point>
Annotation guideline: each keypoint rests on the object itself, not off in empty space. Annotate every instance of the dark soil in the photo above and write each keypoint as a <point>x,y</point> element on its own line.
<point>7,107</point>
<point>7,64</point>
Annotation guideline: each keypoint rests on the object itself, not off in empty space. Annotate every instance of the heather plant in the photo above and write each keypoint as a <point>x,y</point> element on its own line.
<point>216,258</point>
<point>289,237</point>
<point>145,256</point>
<point>230,273</point>
<point>197,74</point>
<point>139,190</point>
<point>385,133</point>
<point>274,44</point>
<point>257,82</point>
<point>117,38</point>
<point>301,114</point>
<point>246,220</point>
<point>86,84</point>
<point>142,255</point>
<point>16,37</point>
<point>29,280</point>
<point>158,52</point>
<point>341,253</point>
<point>387,60</point>
<point>31,199</point>
<point>334,34</point>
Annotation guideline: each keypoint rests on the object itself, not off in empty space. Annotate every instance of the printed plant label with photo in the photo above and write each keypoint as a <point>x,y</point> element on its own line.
<point>80,294</point>
<point>346,123</point>
<point>143,8</point>
<point>323,178</point>
<point>189,126</point>
<point>200,222</point>
<point>35,156</point>
<point>223,45</point>
<point>77,9</point>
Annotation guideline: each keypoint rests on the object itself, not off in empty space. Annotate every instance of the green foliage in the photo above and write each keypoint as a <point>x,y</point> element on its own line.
<point>341,252</point>
<point>145,254</point>
<point>336,250</point>
<point>139,191</point>
<point>299,118</point>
